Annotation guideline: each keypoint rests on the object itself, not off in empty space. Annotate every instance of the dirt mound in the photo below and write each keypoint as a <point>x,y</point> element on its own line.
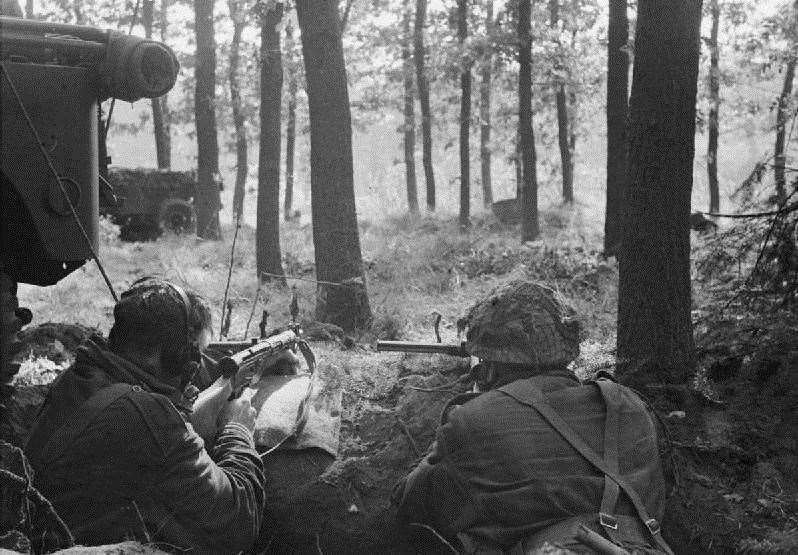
<point>391,412</point>
<point>47,350</point>
<point>736,444</point>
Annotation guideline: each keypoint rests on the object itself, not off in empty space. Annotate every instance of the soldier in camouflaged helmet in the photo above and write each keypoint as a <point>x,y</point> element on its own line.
<point>536,454</point>
<point>521,327</point>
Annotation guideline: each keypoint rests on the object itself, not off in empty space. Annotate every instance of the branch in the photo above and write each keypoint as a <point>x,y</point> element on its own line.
<point>784,210</point>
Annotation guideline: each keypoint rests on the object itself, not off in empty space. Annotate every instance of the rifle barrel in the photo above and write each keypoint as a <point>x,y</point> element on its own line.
<point>451,349</point>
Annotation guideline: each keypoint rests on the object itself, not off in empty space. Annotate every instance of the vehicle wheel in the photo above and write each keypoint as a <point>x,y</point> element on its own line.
<point>177,215</point>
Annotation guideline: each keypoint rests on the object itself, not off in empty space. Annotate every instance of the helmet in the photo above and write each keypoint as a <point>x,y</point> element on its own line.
<point>523,322</point>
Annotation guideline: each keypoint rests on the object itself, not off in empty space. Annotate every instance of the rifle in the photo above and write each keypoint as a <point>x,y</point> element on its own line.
<point>240,358</point>
<point>451,349</point>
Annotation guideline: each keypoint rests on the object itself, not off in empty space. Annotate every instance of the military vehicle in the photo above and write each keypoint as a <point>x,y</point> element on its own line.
<point>147,202</point>
<point>53,78</point>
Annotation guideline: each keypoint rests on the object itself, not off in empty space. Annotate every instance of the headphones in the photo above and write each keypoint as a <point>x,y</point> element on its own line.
<point>187,354</point>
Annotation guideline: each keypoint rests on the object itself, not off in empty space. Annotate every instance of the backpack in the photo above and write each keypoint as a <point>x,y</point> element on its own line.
<point>603,531</point>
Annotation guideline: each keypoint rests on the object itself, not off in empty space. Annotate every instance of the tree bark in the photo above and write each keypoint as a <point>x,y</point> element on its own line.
<point>423,97</point>
<point>161,139</point>
<point>566,154</point>
<point>465,114</point>
<point>161,116</point>
<point>782,116</point>
<point>714,109</point>
<point>80,17</point>
<point>409,128</point>
<point>267,248</point>
<point>563,127</point>
<point>484,108</point>
<point>207,202</point>
<point>655,336</point>
<point>290,126</point>
<point>617,113</point>
<point>335,234</point>
<point>345,15</point>
<point>519,166</point>
<point>239,23</point>
<point>529,192</point>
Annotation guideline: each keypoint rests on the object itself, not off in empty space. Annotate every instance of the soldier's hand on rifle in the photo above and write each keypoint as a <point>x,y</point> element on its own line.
<point>208,408</point>
<point>239,411</point>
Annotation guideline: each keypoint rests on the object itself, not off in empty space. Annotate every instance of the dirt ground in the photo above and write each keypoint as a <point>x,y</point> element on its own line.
<point>733,458</point>
<point>733,432</point>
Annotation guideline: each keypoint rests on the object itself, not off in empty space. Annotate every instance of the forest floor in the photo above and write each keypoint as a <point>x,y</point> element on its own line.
<point>733,431</point>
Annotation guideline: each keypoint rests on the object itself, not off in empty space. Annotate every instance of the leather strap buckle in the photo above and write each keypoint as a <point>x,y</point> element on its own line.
<point>609,521</point>
<point>653,526</point>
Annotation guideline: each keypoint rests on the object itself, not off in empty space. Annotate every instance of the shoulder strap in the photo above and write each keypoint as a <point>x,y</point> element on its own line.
<point>532,397</point>
<point>86,413</point>
<point>609,499</point>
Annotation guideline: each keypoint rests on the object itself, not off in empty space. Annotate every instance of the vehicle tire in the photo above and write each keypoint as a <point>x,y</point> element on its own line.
<point>177,216</point>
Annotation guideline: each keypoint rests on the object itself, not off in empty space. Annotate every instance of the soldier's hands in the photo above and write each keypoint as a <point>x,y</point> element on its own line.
<point>239,411</point>
<point>208,409</point>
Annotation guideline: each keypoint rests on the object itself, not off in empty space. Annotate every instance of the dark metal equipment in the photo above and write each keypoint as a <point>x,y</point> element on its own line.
<point>52,80</point>
<point>454,350</point>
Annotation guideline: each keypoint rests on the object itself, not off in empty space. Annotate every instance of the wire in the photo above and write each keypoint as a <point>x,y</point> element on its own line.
<point>230,272</point>
<point>319,281</point>
<point>50,164</point>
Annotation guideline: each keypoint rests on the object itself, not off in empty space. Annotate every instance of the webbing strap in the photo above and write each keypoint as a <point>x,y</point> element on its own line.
<point>532,397</point>
<point>609,498</point>
<point>66,435</point>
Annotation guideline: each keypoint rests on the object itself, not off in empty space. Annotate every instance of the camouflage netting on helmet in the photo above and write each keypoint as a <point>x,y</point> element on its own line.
<point>523,322</point>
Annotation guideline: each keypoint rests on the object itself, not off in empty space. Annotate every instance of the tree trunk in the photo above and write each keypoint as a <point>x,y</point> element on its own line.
<point>519,166</point>
<point>161,117</point>
<point>465,114</point>
<point>617,113</point>
<point>714,108</point>
<point>290,126</point>
<point>655,336</point>
<point>267,248</point>
<point>563,127</point>
<point>782,116</point>
<point>484,109</point>
<point>345,15</point>
<point>566,154</point>
<point>239,18</point>
<point>29,14</point>
<point>423,98</point>
<point>335,234</point>
<point>529,192</point>
<point>207,202</point>
<point>409,112</point>
<point>80,17</point>
<point>161,150</point>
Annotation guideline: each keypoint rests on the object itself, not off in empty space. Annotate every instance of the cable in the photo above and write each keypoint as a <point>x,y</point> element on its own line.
<point>50,164</point>
<point>322,282</point>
